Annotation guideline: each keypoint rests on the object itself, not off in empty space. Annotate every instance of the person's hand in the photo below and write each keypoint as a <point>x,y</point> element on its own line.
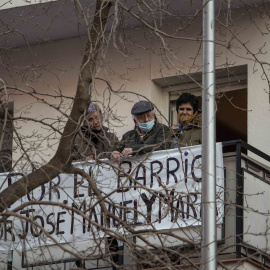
<point>116,156</point>
<point>127,151</point>
<point>91,157</point>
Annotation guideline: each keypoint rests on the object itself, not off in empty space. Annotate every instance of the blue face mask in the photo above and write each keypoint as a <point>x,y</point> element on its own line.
<point>145,127</point>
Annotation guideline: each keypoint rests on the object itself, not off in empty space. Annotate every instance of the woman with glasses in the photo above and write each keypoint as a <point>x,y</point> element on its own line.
<point>93,141</point>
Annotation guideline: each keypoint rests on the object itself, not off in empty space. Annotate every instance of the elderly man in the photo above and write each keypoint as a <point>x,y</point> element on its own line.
<point>148,135</point>
<point>93,139</point>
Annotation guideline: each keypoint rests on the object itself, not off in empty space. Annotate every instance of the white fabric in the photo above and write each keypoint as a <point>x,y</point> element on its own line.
<point>152,184</point>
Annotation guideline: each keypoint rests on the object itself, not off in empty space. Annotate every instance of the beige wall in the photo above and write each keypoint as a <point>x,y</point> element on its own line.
<point>5,4</point>
<point>134,72</point>
<point>246,53</point>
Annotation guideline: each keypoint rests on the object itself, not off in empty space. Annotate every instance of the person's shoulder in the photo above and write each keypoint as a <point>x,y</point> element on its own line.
<point>175,130</point>
<point>132,131</point>
<point>161,126</point>
<point>129,133</point>
<point>108,132</point>
<point>84,128</point>
<point>83,131</point>
<point>197,120</point>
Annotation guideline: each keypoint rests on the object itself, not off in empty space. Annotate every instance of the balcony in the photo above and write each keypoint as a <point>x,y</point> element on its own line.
<point>242,235</point>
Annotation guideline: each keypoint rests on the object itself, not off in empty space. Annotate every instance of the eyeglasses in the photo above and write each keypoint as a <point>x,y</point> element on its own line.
<point>91,119</point>
<point>146,116</point>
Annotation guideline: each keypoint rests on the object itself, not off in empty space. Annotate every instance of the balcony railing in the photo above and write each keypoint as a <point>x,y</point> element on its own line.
<point>247,180</point>
<point>251,174</point>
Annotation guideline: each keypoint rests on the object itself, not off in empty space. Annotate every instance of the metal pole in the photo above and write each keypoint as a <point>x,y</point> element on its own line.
<point>209,246</point>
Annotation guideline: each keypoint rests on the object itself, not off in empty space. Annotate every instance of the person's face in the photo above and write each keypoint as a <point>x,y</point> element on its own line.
<point>185,109</point>
<point>144,118</point>
<point>94,121</point>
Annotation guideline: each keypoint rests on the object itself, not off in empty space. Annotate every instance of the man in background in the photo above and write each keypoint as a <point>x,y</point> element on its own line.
<point>188,132</point>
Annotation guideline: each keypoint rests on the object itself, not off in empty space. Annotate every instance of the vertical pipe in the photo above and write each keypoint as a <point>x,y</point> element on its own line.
<point>209,246</point>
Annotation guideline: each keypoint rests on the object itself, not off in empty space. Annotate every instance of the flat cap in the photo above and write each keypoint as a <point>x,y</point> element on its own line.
<point>142,106</point>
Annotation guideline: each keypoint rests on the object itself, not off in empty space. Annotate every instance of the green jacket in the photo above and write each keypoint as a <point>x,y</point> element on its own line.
<point>158,138</point>
<point>99,144</point>
<point>191,134</point>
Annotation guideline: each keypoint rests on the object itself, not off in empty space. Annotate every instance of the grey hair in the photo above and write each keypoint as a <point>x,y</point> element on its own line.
<point>93,107</point>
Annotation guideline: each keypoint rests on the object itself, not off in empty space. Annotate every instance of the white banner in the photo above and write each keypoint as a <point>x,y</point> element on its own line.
<point>157,191</point>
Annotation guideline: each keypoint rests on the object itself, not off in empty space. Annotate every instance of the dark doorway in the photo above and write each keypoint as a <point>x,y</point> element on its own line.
<point>231,117</point>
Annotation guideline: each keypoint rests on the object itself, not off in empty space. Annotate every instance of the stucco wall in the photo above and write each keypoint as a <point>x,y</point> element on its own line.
<point>246,44</point>
<point>133,73</point>
<point>5,4</point>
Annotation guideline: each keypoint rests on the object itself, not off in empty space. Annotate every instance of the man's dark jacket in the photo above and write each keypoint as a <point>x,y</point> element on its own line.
<point>158,138</point>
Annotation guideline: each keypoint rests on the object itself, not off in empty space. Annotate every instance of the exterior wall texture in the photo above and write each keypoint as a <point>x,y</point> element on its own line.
<point>145,61</point>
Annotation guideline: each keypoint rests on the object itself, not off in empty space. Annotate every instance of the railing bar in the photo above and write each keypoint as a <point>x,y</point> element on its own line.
<point>255,150</point>
<point>248,147</point>
<point>232,142</point>
<point>257,176</point>
<point>255,164</point>
<point>239,200</point>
